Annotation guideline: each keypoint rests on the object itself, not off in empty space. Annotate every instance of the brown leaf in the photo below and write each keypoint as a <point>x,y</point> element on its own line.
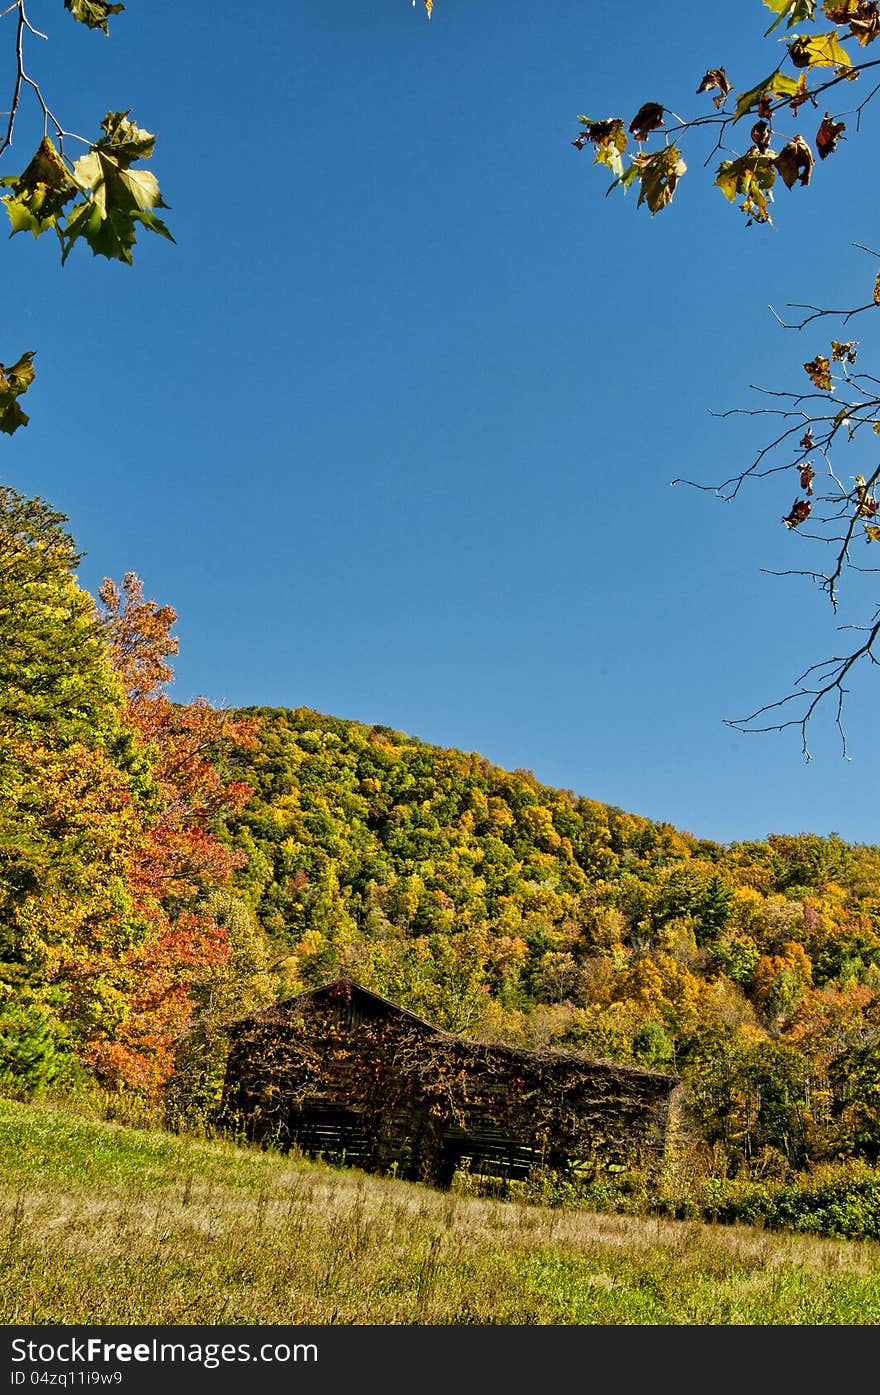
<point>799,53</point>
<point>795,162</point>
<point>800,510</point>
<point>828,135</point>
<point>801,95</point>
<point>715,77</point>
<point>862,16</point>
<point>819,372</point>
<point>760,134</point>
<point>844,353</point>
<point>808,474</point>
<point>807,439</point>
<point>877,290</point>
<point>648,118</point>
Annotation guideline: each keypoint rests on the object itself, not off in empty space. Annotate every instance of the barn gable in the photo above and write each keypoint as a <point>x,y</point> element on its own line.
<point>342,1072</point>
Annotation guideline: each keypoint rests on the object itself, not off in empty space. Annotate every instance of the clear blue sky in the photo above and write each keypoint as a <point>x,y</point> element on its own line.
<point>392,427</point>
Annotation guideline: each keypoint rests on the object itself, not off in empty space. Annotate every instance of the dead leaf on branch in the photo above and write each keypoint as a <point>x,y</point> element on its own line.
<point>866,504</point>
<point>800,510</point>
<point>828,135</point>
<point>608,139</point>
<point>760,134</point>
<point>648,118</point>
<point>795,162</point>
<point>807,439</point>
<point>715,77</point>
<point>807,475</point>
<point>862,16</point>
<point>818,371</point>
<point>844,353</point>
<point>877,290</point>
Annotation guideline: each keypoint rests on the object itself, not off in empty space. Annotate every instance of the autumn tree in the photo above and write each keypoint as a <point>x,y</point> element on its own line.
<point>181,857</point>
<point>829,420</point>
<point>73,785</point>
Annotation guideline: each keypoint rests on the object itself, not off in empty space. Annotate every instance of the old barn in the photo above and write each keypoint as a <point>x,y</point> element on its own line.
<point>343,1073</point>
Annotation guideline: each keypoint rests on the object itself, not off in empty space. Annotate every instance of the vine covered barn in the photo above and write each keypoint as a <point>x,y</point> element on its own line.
<point>343,1073</point>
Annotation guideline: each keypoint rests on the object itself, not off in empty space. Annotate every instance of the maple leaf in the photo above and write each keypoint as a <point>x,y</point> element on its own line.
<point>828,135</point>
<point>608,139</point>
<point>862,16</point>
<point>792,11</point>
<point>13,382</point>
<point>40,192</point>
<point>818,370</point>
<point>801,95</point>
<point>658,175</point>
<point>807,475</point>
<point>777,84</point>
<point>715,77</point>
<point>818,51</point>
<point>751,176</point>
<point>800,510</point>
<point>648,118</point>
<point>93,13</point>
<point>795,162</point>
<point>117,197</point>
<point>844,353</point>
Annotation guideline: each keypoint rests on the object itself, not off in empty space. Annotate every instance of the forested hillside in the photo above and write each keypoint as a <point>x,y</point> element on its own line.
<point>166,867</point>
<point>505,909</point>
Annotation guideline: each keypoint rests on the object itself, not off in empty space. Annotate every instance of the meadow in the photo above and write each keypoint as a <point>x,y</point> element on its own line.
<point>102,1223</point>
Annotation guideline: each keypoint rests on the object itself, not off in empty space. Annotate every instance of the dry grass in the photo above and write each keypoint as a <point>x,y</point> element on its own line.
<point>105,1224</point>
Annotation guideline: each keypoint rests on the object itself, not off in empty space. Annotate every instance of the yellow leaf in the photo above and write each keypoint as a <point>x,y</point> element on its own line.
<point>877,290</point>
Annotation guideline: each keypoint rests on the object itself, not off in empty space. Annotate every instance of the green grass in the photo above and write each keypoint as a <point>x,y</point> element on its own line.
<point>101,1223</point>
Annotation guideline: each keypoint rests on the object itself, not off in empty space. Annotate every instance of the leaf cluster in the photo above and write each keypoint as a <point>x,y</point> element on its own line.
<point>748,175</point>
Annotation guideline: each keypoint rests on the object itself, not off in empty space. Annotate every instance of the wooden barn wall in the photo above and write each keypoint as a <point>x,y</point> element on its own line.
<point>353,1077</point>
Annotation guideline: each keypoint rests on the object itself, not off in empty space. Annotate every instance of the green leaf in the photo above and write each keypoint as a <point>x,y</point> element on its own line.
<point>658,175</point>
<point>792,11</point>
<point>777,85</point>
<point>819,51</point>
<point>752,177</point>
<point>93,13</point>
<point>117,197</point>
<point>13,382</point>
<point>39,193</point>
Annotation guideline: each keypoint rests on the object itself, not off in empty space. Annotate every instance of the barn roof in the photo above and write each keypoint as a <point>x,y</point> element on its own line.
<point>278,1013</point>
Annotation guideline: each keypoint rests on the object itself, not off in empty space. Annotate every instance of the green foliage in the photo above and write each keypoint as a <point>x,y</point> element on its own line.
<point>15,381</point>
<point>30,1058</point>
<point>832,1200</point>
<point>110,198</point>
<point>117,197</point>
<point>93,13</point>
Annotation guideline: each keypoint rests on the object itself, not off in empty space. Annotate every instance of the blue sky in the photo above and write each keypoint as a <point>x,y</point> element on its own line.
<point>393,425</point>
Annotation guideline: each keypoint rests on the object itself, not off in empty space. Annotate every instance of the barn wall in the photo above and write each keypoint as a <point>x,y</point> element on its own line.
<point>342,1073</point>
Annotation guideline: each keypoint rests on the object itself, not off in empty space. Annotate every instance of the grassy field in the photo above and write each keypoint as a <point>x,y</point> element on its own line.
<point>101,1223</point>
